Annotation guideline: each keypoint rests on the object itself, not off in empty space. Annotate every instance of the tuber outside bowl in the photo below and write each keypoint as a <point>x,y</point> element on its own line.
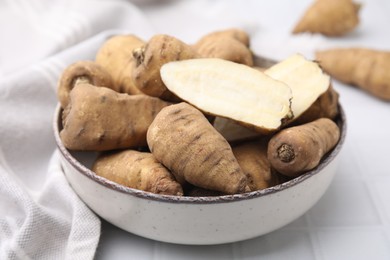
<point>197,220</point>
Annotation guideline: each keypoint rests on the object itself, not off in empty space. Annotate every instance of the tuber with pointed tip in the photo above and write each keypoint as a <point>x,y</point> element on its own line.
<point>329,17</point>
<point>116,56</point>
<point>100,119</point>
<point>297,149</point>
<point>138,170</point>
<point>81,72</point>
<point>182,139</point>
<point>368,69</point>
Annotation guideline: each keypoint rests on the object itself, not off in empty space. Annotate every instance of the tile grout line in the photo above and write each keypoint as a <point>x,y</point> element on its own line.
<point>378,203</point>
<point>312,232</point>
<point>236,249</point>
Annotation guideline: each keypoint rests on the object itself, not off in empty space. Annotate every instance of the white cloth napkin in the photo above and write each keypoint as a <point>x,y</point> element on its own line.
<point>40,216</point>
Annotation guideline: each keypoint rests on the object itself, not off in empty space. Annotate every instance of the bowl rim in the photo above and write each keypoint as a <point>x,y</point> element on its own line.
<point>57,125</point>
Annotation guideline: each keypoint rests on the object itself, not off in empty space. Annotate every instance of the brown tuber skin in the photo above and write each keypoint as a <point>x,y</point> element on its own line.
<point>252,157</point>
<point>232,45</point>
<point>137,170</point>
<point>79,73</point>
<point>159,50</point>
<point>100,119</point>
<point>116,56</point>
<point>297,149</point>
<point>329,17</point>
<point>367,69</point>
<point>182,139</point>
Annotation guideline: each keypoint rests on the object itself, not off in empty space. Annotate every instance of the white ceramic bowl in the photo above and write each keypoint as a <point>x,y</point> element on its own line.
<point>197,220</point>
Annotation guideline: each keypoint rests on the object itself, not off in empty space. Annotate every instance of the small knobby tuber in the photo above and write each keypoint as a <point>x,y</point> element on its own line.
<point>231,44</point>
<point>231,90</point>
<point>329,17</point>
<point>365,68</point>
<point>116,56</point>
<point>160,49</point>
<point>79,73</point>
<point>137,170</point>
<point>297,149</point>
<point>182,139</point>
<point>252,157</point>
<point>100,119</point>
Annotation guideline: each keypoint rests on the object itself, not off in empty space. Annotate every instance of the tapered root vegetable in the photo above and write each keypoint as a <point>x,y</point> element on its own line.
<point>79,73</point>
<point>116,56</point>
<point>182,139</point>
<point>137,170</point>
<point>297,149</point>
<point>252,157</point>
<point>367,69</point>
<point>305,78</point>
<point>230,90</point>
<point>159,50</point>
<point>101,119</point>
<point>232,44</point>
<point>329,17</point>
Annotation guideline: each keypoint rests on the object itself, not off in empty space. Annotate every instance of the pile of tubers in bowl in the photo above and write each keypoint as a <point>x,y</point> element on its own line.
<point>159,114</point>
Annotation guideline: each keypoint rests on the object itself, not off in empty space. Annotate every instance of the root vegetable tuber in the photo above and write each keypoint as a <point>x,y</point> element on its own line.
<point>116,56</point>
<point>101,119</point>
<point>159,50</point>
<point>182,139</point>
<point>81,72</point>
<point>252,157</point>
<point>367,69</point>
<point>232,45</point>
<point>230,90</point>
<point>297,149</point>
<point>329,17</point>
<point>137,170</point>
<point>305,78</point>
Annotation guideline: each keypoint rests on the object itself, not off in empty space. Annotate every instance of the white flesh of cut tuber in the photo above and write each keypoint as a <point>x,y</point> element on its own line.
<point>230,90</point>
<point>305,78</point>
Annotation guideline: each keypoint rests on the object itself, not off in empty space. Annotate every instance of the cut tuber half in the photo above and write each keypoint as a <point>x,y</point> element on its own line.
<point>305,78</point>
<point>230,90</point>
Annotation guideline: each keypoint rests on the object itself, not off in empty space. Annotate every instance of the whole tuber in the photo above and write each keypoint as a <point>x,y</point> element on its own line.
<point>100,119</point>
<point>182,139</point>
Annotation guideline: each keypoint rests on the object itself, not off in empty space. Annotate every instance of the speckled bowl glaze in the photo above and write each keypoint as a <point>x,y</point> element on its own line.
<point>197,220</point>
